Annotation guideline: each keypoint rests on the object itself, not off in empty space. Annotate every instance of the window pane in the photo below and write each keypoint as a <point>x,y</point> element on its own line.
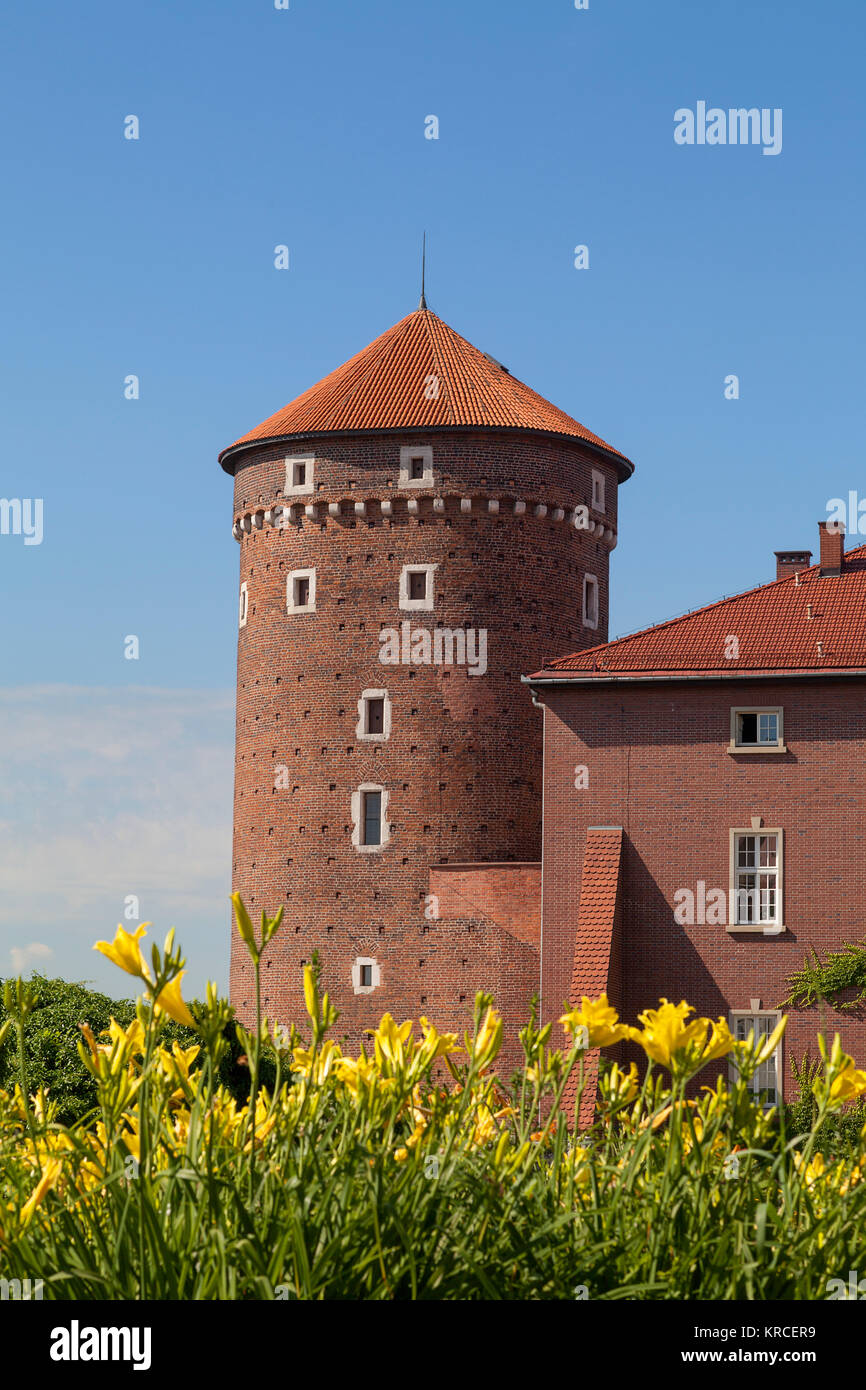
<point>768,851</point>
<point>372,818</point>
<point>375,716</point>
<point>748,726</point>
<point>768,725</point>
<point>746,851</point>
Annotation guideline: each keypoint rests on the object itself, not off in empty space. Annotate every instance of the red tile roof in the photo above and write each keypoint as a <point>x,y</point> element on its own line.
<point>774,632</point>
<point>593,945</point>
<point>389,386</point>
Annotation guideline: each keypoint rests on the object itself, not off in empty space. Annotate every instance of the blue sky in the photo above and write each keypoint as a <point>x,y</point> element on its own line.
<point>305,127</point>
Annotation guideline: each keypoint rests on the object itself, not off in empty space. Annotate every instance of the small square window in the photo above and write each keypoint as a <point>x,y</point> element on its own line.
<point>301,591</point>
<point>416,465</point>
<point>756,730</point>
<point>416,587</point>
<point>299,476</point>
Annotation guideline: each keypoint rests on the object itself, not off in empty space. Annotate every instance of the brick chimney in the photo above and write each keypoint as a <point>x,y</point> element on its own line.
<point>832,547</point>
<point>788,562</point>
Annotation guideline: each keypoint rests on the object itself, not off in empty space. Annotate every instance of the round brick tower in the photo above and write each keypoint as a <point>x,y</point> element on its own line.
<point>417,531</point>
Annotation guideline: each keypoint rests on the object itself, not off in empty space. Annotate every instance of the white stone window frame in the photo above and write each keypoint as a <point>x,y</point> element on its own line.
<point>243,604</point>
<point>357,805</point>
<point>417,605</point>
<point>375,975</point>
<point>598,488</point>
<point>590,585</point>
<point>310,605</point>
<point>750,1015</point>
<point>360,729</point>
<point>778,747</point>
<point>293,489</point>
<point>765,928</point>
<point>408,452</point>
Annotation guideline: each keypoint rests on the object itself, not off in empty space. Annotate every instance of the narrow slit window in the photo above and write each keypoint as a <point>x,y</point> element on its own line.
<point>375,716</point>
<point>366,973</point>
<point>302,592</point>
<point>372,824</point>
<point>590,601</point>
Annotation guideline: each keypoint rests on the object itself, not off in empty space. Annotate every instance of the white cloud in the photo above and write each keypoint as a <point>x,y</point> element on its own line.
<point>108,793</point>
<point>24,956</point>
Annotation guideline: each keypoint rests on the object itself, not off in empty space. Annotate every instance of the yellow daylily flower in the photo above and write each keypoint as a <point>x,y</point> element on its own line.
<point>600,1020</point>
<point>848,1084</point>
<point>50,1173</point>
<point>171,1002</point>
<point>125,951</point>
<point>131,1038</point>
<point>310,990</point>
<point>489,1039</point>
<point>680,1046</point>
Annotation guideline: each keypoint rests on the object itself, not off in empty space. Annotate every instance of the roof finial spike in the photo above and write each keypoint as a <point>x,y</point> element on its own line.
<point>423,303</point>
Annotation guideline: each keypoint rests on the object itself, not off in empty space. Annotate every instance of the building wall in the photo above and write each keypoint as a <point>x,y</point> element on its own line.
<point>462,766</point>
<point>657,766</point>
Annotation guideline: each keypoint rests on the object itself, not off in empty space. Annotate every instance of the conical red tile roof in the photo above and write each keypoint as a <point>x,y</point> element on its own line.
<point>419,374</point>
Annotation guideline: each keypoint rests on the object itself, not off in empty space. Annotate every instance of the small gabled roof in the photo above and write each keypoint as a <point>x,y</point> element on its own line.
<point>815,626</point>
<point>419,374</point>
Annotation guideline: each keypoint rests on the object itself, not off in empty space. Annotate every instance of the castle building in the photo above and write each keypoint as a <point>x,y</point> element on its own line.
<point>416,532</point>
<point>704,799</point>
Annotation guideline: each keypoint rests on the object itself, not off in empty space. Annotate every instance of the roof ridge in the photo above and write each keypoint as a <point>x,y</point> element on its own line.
<point>856,551</point>
<point>440,372</point>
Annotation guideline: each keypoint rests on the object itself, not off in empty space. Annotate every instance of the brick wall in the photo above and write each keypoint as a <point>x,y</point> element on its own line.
<point>658,767</point>
<point>462,766</point>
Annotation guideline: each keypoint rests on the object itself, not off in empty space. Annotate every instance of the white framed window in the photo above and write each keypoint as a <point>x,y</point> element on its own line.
<point>597,490</point>
<point>374,717</point>
<point>301,591</point>
<point>243,605</point>
<point>366,975</point>
<point>755,898</point>
<point>757,730</point>
<point>766,1084</point>
<point>299,476</point>
<point>370,829</point>
<point>590,601</point>
<point>416,587</point>
<point>416,465</point>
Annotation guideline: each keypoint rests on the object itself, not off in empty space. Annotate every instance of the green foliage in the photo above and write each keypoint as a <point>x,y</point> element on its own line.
<point>53,1030</point>
<point>841,971</point>
<point>838,1134</point>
